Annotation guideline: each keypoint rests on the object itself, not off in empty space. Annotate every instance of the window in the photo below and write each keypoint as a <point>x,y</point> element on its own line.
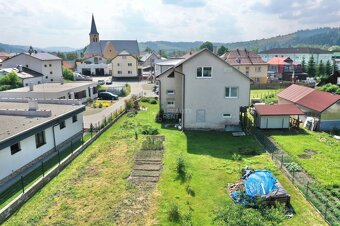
<point>40,139</point>
<point>51,79</point>
<point>226,115</point>
<point>130,64</point>
<point>171,103</point>
<point>124,57</point>
<point>45,65</point>
<point>200,116</point>
<point>39,82</point>
<point>80,94</point>
<point>74,118</point>
<point>170,92</point>
<point>27,65</point>
<point>26,84</point>
<point>51,72</point>
<point>204,72</point>
<point>50,65</point>
<point>118,64</point>
<point>129,72</point>
<point>15,148</point>
<point>231,92</point>
<point>62,125</point>
<point>119,72</point>
<point>258,69</point>
<point>46,77</point>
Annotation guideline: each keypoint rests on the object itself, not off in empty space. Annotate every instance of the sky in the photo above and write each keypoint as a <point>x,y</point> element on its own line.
<point>51,23</point>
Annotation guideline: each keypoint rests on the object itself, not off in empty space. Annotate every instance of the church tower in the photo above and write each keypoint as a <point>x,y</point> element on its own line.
<point>94,35</point>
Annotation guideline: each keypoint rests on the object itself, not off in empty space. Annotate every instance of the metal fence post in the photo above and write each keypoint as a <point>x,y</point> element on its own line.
<point>71,146</point>
<point>43,169</point>
<point>22,184</point>
<point>58,157</point>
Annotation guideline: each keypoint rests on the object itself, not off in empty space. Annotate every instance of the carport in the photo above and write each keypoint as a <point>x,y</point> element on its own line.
<point>276,116</point>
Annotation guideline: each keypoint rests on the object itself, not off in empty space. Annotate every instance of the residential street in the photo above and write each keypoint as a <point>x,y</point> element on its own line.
<point>95,119</point>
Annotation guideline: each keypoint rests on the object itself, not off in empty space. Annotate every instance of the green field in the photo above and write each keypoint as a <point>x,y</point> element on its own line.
<point>324,164</point>
<point>93,186</point>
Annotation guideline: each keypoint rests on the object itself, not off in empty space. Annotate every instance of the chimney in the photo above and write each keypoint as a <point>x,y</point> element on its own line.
<point>19,67</point>
<point>32,105</point>
<point>62,81</point>
<point>31,86</point>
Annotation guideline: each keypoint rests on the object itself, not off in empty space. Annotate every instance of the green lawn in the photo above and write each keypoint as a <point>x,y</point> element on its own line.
<point>260,93</point>
<point>93,185</point>
<point>324,165</point>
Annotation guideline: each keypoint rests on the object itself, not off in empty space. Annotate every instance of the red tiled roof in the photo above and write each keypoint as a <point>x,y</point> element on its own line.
<point>278,109</point>
<point>281,61</point>
<point>242,57</point>
<point>310,98</point>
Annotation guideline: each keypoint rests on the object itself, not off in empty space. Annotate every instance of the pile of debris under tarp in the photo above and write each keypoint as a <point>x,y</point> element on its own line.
<point>258,185</point>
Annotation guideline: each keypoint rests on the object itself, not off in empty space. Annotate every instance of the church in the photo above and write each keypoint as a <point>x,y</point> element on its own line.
<point>108,49</point>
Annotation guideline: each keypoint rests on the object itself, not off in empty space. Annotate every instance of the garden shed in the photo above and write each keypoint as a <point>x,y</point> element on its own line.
<point>276,116</point>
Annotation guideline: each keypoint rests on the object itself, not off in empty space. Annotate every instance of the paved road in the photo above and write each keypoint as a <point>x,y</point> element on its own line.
<point>95,119</point>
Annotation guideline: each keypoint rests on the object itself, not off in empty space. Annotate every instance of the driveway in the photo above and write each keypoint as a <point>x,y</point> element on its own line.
<point>95,119</point>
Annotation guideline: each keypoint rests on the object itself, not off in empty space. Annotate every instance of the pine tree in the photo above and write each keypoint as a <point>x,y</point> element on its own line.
<point>303,64</point>
<point>328,69</point>
<point>321,69</point>
<point>334,67</point>
<point>311,70</point>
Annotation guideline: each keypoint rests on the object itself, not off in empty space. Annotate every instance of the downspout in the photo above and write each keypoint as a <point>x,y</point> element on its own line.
<point>183,97</point>
<point>54,142</point>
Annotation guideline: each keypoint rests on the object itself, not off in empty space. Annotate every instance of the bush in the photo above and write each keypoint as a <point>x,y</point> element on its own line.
<point>126,90</point>
<point>292,166</point>
<point>236,157</point>
<point>89,100</point>
<point>100,105</point>
<point>144,99</point>
<point>153,101</point>
<point>9,81</point>
<point>181,168</point>
<point>68,74</point>
<point>174,214</point>
<point>149,130</point>
<point>129,104</point>
<point>131,114</point>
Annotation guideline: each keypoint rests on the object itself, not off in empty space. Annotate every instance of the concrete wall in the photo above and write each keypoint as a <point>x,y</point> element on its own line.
<point>209,93</point>
<point>298,57</point>
<point>35,81</point>
<point>10,163</point>
<point>121,64</point>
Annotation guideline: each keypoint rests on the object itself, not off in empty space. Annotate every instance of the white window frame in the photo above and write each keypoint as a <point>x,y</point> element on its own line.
<point>129,64</point>
<point>170,92</point>
<point>230,97</point>
<point>225,115</point>
<point>203,72</point>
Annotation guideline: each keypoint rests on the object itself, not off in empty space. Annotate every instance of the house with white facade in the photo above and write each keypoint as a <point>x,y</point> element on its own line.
<point>298,54</point>
<point>48,65</point>
<point>204,91</point>
<point>70,90</point>
<point>26,75</point>
<point>95,66</point>
<point>33,130</point>
<point>124,65</point>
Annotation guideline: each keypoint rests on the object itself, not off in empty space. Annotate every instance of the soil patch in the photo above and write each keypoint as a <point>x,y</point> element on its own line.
<point>310,152</point>
<point>304,156</point>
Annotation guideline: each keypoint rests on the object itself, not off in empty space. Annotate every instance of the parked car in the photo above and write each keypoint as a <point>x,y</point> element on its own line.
<point>101,82</point>
<point>108,82</point>
<point>107,96</point>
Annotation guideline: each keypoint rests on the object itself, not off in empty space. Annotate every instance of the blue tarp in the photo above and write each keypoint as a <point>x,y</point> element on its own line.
<point>259,182</point>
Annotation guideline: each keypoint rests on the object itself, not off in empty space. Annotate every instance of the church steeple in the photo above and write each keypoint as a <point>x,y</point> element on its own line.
<point>94,35</point>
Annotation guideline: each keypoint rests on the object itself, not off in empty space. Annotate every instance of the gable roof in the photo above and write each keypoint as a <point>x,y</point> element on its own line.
<point>282,61</point>
<point>278,109</point>
<point>295,50</point>
<point>310,98</point>
<point>97,48</point>
<point>198,53</point>
<point>39,56</point>
<point>242,57</point>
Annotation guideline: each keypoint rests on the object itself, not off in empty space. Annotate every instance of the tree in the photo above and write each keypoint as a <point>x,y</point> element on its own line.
<point>334,67</point>
<point>303,64</point>
<point>71,56</point>
<point>10,81</point>
<point>61,55</point>
<point>222,50</point>
<point>207,45</point>
<point>148,49</point>
<point>321,69</point>
<point>68,74</point>
<point>311,70</point>
<point>328,69</point>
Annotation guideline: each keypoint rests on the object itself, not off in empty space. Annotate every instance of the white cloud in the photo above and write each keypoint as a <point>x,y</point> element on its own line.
<point>45,23</point>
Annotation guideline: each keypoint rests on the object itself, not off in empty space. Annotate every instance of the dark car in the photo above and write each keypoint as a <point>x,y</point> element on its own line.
<point>108,82</point>
<point>101,82</point>
<point>107,96</point>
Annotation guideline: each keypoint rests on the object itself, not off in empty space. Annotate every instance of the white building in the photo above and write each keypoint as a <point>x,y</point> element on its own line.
<point>95,66</point>
<point>204,91</point>
<point>48,65</point>
<point>297,54</point>
<point>71,90</point>
<point>26,75</point>
<point>35,130</point>
<point>164,64</point>
<point>124,65</point>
